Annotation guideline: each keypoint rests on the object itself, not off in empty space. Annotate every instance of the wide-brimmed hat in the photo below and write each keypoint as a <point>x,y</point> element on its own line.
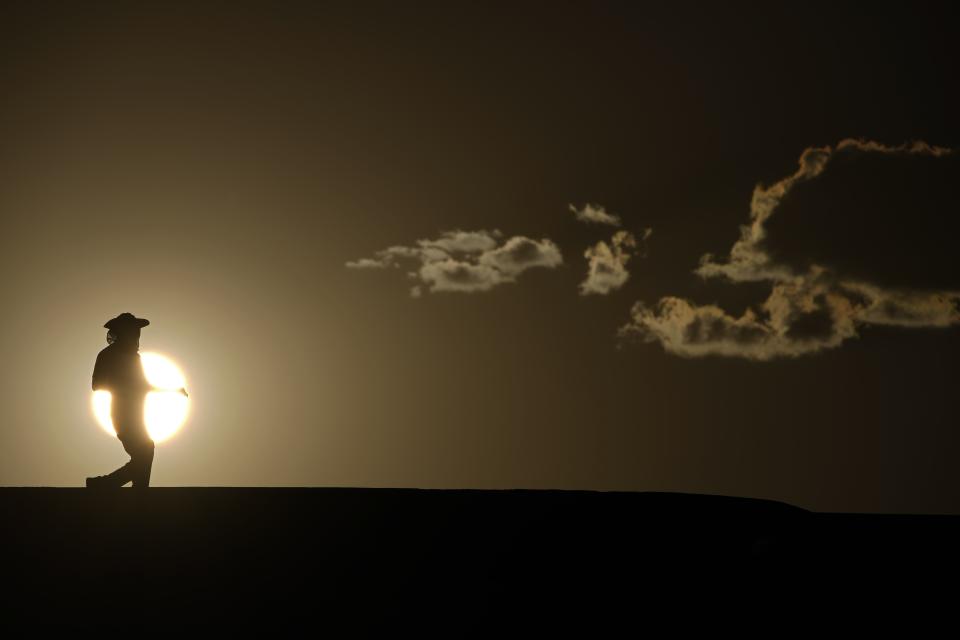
<point>126,320</point>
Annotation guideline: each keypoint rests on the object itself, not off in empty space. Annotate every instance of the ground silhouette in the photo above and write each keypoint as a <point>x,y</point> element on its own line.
<point>452,562</point>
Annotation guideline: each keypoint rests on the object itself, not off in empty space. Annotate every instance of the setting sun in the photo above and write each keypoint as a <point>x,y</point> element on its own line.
<point>164,411</point>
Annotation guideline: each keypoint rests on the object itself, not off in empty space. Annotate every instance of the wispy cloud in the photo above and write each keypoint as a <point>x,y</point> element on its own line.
<point>594,213</point>
<point>805,312</point>
<point>466,261</point>
<point>749,259</point>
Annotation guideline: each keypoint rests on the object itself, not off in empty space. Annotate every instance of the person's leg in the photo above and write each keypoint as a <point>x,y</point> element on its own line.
<point>144,464</point>
<point>133,469</point>
<point>121,476</point>
<point>140,448</point>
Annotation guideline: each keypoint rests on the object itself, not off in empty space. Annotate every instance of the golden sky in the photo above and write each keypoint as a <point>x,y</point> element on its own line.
<point>405,246</point>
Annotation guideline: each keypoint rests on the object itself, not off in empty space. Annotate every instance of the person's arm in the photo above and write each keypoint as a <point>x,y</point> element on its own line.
<point>147,387</point>
<point>181,390</point>
<point>99,373</point>
<point>150,387</point>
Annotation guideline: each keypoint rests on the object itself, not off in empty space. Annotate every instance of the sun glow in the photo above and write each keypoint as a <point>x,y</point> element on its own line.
<point>164,411</point>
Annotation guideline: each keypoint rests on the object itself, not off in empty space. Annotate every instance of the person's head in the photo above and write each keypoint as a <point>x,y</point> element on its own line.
<point>124,330</point>
<point>128,336</point>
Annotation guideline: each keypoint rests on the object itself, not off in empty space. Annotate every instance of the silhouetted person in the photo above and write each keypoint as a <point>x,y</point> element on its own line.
<point>119,371</point>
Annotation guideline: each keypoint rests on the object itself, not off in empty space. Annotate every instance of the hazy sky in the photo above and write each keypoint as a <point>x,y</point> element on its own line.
<point>464,244</point>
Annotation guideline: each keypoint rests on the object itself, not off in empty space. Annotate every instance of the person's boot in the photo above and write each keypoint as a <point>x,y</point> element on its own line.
<point>116,479</point>
<point>102,482</point>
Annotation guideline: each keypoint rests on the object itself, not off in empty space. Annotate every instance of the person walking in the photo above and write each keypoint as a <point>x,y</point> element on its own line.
<point>119,371</point>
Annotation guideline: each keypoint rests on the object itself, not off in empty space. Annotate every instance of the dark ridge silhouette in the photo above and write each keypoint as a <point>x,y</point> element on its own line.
<point>447,561</point>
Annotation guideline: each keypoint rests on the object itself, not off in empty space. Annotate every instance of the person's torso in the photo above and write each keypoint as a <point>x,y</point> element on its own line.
<point>121,371</point>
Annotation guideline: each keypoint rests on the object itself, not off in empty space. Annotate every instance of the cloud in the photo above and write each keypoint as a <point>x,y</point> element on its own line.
<point>463,241</point>
<point>801,316</point>
<point>519,254</point>
<point>456,275</point>
<point>806,311</point>
<point>749,259</point>
<point>466,261</point>
<point>595,213</point>
<point>607,263</point>
<point>938,309</point>
<point>388,257</point>
<point>366,263</point>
